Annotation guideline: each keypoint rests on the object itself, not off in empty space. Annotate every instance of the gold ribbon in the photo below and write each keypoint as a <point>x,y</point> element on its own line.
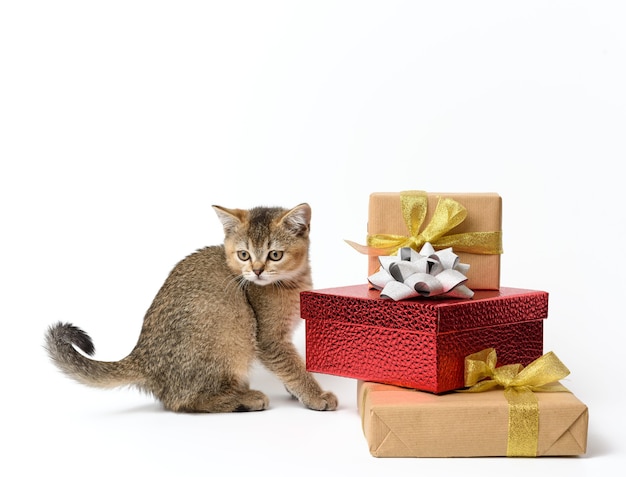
<point>447,215</point>
<point>520,384</point>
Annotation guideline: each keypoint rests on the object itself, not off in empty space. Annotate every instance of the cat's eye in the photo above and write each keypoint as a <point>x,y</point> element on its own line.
<point>243,255</point>
<point>275,255</point>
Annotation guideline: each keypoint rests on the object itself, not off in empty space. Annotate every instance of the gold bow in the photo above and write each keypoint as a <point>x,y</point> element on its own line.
<point>519,383</point>
<point>447,215</point>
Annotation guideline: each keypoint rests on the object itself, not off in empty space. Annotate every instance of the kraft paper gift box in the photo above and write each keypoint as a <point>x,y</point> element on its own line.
<point>475,235</point>
<point>402,422</point>
<point>418,343</point>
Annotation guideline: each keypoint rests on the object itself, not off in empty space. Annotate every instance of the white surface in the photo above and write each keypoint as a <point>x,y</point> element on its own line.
<point>122,122</point>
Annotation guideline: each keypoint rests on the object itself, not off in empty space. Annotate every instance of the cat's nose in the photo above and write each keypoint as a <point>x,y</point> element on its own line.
<point>258,271</point>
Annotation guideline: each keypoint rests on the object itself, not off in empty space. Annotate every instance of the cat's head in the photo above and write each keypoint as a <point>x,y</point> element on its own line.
<point>267,244</point>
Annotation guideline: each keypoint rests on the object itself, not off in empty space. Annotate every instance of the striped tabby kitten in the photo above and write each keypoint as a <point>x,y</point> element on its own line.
<point>221,308</point>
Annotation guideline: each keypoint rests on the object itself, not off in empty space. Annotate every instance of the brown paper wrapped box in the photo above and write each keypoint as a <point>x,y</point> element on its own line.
<point>484,214</point>
<point>402,422</point>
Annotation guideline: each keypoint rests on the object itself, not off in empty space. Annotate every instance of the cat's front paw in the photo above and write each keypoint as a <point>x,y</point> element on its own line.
<point>326,401</point>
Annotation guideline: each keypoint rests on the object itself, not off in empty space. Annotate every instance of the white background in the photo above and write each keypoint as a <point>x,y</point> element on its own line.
<point>121,122</point>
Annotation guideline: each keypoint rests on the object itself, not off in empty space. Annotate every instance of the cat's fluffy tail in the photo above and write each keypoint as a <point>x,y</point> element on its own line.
<point>60,341</point>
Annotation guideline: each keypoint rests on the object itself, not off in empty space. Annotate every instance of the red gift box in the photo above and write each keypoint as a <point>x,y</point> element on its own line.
<point>419,343</point>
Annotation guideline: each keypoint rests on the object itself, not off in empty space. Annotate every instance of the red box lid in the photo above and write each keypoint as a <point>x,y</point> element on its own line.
<point>363,305</point>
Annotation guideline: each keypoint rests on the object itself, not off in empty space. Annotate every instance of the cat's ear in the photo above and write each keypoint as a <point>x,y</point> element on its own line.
<point>230,218</point>
<point>298,219</point>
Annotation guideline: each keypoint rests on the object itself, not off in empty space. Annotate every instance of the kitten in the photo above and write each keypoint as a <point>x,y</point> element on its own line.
<point>221,308</point>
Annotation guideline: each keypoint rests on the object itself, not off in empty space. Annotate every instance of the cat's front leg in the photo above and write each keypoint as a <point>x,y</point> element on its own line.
<point>285,362</point>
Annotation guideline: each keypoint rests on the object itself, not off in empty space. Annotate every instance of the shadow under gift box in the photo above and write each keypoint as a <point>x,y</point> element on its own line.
<point>419,343</point>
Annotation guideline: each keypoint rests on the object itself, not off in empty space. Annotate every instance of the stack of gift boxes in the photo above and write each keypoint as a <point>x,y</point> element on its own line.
<point>451,364</point>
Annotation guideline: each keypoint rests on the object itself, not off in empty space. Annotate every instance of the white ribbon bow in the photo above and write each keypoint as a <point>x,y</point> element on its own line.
<point>428,273</point>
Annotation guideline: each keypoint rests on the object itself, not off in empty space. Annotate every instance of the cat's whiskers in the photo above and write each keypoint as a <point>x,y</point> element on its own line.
<point>229,283</point>
<point>232,284</point>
